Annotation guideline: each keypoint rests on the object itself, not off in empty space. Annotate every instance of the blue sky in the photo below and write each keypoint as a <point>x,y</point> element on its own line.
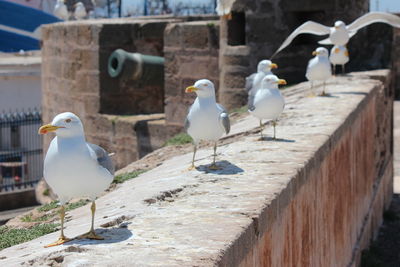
<point>385,5</point>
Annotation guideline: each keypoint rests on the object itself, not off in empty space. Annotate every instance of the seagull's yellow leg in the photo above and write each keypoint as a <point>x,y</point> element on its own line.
<point>343,70</point>
<point>194,154</point>
<point>91,234</point>
<point>228,16</point>
<point>62,239</point>
<point>261,131</point>
<point>274,123</point>
<point>323,90</point>
<point>312,90</point>
<point>334,69</point>
<point>214,166</point>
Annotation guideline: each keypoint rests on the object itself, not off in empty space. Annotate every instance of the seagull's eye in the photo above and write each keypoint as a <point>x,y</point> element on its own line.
<point>68,120</point>
<point>205,84</point>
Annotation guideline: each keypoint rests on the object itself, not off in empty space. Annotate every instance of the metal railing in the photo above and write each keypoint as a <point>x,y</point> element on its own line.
<point>21,155</point>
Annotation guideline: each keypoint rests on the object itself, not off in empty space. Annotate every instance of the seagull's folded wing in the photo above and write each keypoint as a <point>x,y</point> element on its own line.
<point>224,119</point>
<point>249,81</point>
<point>310,27</point>
<point>374,17</point>
<point>102,157</point>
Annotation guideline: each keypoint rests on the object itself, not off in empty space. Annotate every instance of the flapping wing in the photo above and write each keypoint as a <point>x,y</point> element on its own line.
<point>374,17</point>
<point>224,119</point>
<point>307,27</point>
<point>326,41</point>
<point>249,81</point>
<point>102,157</point>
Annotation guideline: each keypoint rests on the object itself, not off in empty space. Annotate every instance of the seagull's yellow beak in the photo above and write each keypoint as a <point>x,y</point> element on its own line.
<point>314,53</point>
<point>282,82</point>
<point>273,66</point>
<point>48,128</point>
<point>191,89</point>
<point>346,53</point>
<point>337,50</point>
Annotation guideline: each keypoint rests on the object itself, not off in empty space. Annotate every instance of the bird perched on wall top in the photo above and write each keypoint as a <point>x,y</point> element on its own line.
<point>253,82</point>
<point>207,120</point>
<point>340,33</point>
<point>339,56</point>
<point>319,68</point>
<point>60,10</point>
<point>80,11</point>
<point>224,8</point>
<point>268,102</point>
<point>74,168</point>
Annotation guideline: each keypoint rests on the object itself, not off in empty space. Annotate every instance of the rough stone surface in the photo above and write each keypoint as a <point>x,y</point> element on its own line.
<point>314,197</point>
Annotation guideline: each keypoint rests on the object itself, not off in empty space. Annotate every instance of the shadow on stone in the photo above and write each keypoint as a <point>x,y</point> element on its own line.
<point>224,167</point>
<point>268,138</point>
<point>328,95</point>
<point>113,235</point>
<point>350,93</point>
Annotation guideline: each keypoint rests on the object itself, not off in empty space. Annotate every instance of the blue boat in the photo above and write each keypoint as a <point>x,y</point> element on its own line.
<point>20,26</point>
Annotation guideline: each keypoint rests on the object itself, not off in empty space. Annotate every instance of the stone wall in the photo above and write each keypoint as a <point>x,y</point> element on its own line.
<point>75,78</point>
<point>191,53</point>
<point>396,61</point>
<point>313,197</point>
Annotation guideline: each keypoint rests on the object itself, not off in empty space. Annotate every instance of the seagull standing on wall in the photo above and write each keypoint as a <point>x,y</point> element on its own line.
<point>80,11</point>
<point>207,120</point>
<point>339,56</point>
<point>224,8</point>
<point>341,33</point>
<point>74,168</point>
<point>319,68</point>
<point>253,82</point>
<point>60,10</point>
<point>268,102</point>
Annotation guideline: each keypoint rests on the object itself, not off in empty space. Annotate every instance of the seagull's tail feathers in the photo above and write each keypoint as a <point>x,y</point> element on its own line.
<point>111,154</point>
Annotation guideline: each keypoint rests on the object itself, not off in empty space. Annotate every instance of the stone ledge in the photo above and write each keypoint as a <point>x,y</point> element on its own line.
<point>313,198</point>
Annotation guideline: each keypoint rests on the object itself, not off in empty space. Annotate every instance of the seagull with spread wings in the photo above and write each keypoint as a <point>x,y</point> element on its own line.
<point>341,33</point>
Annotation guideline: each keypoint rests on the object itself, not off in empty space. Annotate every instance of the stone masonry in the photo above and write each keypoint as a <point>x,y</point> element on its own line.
<point>314,197</point>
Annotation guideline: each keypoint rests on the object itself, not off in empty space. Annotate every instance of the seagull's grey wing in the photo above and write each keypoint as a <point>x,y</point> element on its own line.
<point>250,102</point>
<point>307,27</point>
<point>224,119</point>
<point>249,81</point>
<point>374,17</point>
<point>102,157</point>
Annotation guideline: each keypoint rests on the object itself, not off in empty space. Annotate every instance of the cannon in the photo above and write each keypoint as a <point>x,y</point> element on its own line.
<point>136,66</point>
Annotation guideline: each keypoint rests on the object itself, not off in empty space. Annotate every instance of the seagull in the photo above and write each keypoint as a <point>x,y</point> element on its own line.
<point>224,8</point>
<point>341,33</point>
<point>319,67</point>
<point>60,10</point>
<point>80,11</point>
<point>206,120</point>
<point>339,56</point>
<point>268,102</point>
<point>253,82</point>
<point>74,168</point>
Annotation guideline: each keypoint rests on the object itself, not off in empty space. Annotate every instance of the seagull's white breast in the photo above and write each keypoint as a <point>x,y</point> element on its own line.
<point>339,58</point>
<point>257,82</point>
<point>268,103</point>
<point>339,36</point>
<point>204,121</point>
<point>319,69</point>
<point>72,171</point>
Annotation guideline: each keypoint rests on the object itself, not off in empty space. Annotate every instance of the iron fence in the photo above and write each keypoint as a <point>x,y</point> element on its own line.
<point>21,155</point>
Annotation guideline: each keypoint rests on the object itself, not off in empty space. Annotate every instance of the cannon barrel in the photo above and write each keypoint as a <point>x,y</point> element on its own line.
<point>136,66</point>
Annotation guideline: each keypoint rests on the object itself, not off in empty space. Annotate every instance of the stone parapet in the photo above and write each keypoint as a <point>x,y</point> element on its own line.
<point>314,197</point>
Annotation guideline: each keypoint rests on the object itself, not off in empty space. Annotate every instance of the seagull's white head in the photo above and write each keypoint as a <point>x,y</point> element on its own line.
<point>266,66</point>
<point>321,52</point>
<point>272,82</point>
<point>79,6</point>
<point>340,25</point>
<point>203,88</point>
<point>65,124</point>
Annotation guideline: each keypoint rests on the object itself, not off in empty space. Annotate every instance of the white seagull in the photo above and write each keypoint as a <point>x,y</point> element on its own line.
<point>339,56</point>
<point>341,33</point>
<point>253,82</point>
<point>80,11</point>
<point>74,168</point>
<point>60,10</point>
<point>319,67</point>
<point>268,102</point>
<point>207,120</point>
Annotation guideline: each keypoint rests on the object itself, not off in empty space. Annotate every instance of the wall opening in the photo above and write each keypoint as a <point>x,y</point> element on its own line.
<point>236,29</point>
